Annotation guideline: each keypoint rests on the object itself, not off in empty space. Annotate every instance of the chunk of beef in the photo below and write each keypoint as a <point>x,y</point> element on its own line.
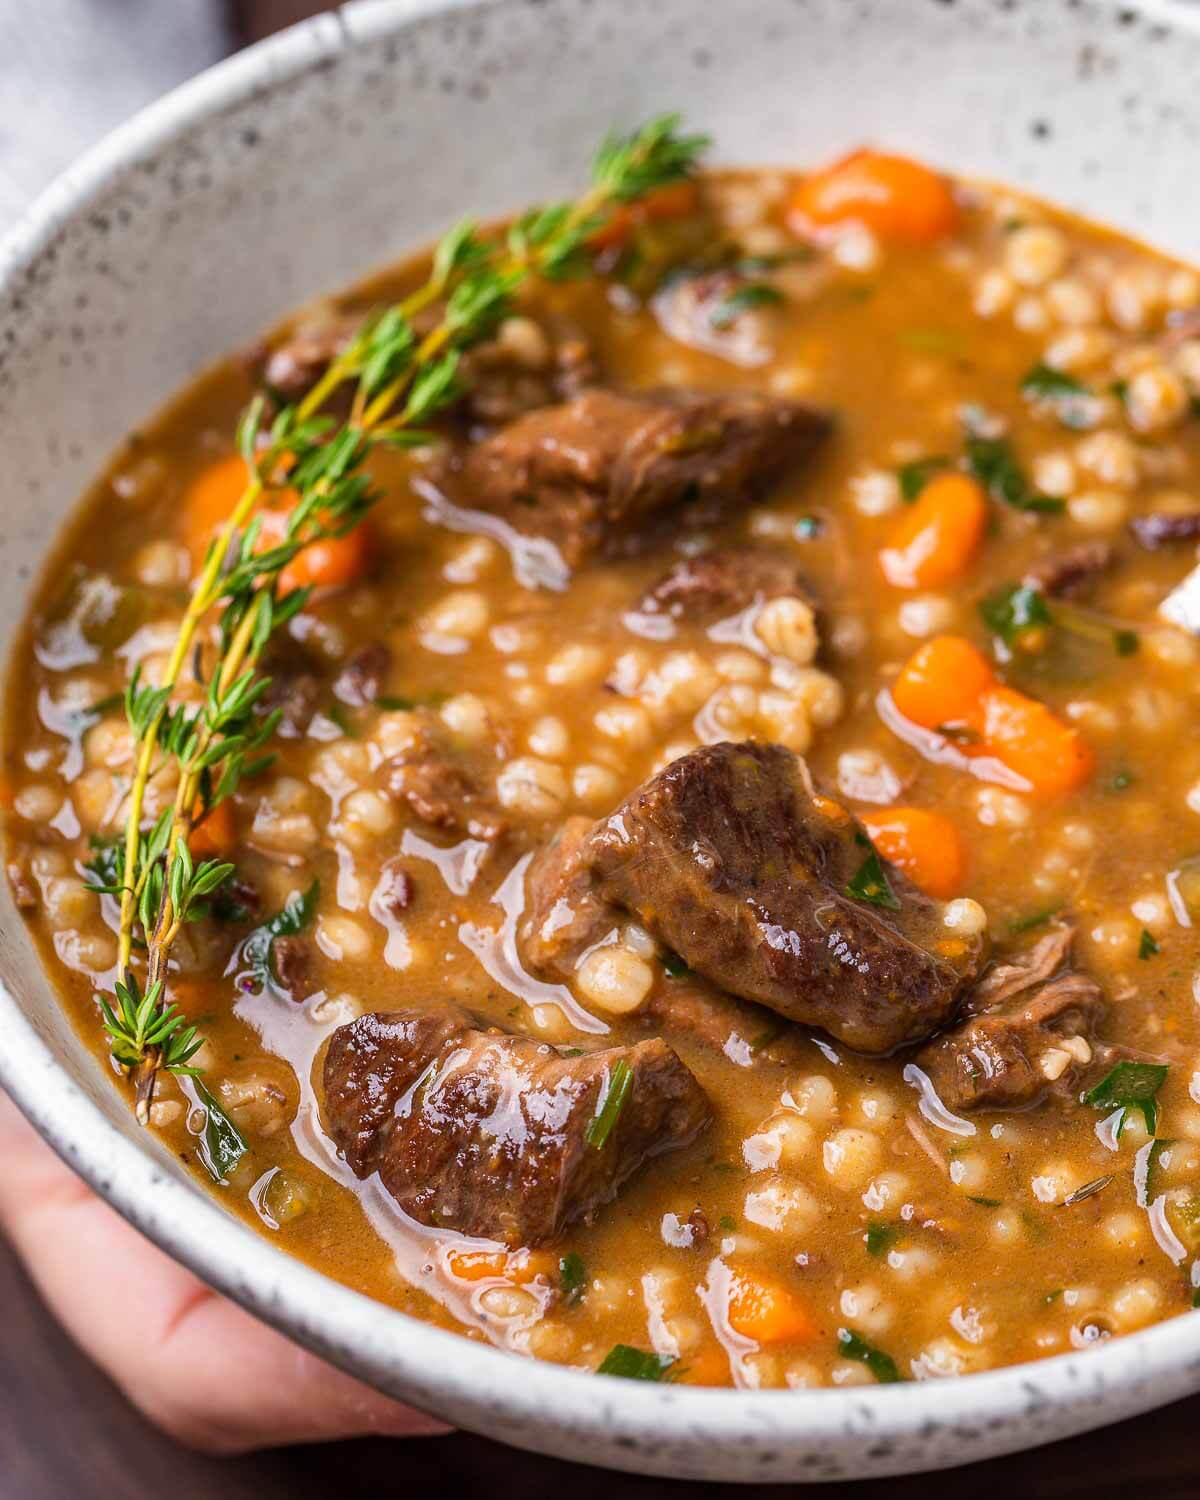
<point>1064,575</point>
<point>723,581</point>
<point>1028,1026</point>
<point>443,793</point>
<point>599,474</point>
<point>729,860</point>
<point>362,678</point>
<point>292,368</point>
<point>691,1010</point>
<point>1165,529</point>
<point>294,689</point>
<point>488,1133</point>
<point>291,963</point>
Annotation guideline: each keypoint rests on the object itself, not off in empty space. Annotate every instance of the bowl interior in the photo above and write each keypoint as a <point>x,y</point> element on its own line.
<point>301,165</point>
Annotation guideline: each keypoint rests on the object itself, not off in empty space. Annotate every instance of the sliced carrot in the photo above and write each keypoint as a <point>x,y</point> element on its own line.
<point>1023,733</point>
<point>326,564</point>
<point>214,837</point>
<point>938,536</point>
<point>519,1266</point>
<point>925,845</point>
<point>943,683</point>
<point>677,200</point>
<point>897,198</point>
<point>763,1309</point>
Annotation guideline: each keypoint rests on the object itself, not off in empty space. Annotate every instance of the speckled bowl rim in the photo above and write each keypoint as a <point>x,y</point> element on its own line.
<point>468,1382</point>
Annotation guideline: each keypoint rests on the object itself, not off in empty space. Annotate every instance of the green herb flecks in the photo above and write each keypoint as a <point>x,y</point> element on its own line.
<point>1130,1085</point>
<point>983,1202</point>
<point>1034,919</point>
<point>852,1345</point>
<point>221,1145</point>
<point>743,299</point>
<point>1044,383</point>
<point>572,1278</point>
<point>870,883</point>
<point>913,477</point>
<point>612,1101</point>
<point>628,1363</point>
<point>257,950</point>
<point>992,461</point>
<point>880,1238</point>
<point>1017,613</point>
<point>674,966</point>
<point>1147,946</point>
<point>1147,1165</point>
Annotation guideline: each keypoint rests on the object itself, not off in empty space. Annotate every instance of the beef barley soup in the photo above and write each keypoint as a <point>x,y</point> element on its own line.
<point>629,787</point>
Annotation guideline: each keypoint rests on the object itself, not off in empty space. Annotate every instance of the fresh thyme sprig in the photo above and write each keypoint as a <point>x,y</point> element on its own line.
<point>401,380</point>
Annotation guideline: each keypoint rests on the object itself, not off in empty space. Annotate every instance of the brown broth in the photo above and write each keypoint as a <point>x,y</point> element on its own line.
<point>951,1251</point>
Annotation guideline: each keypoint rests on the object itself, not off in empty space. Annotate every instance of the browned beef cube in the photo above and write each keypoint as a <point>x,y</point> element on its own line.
<point>497,1135</point>
<point>727,858</point>
<point>595,474</point>
<point>723,581</point>
<point>1065,575</point>
<point>1026,1020</point>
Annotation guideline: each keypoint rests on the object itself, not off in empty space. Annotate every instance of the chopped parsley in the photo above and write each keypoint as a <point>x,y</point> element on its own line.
<point>257,951</point>
<point>675,966</point>
<point>628,1363</point>
<point>1034,919</point>
<point>1130,1085</point>
<point>870,883</point>
<point>1045,383</point>
<point>1125,642</point>
<point>612,1101</point>
<point>852,1345</point>
<point>1121,782</point>
<point>880,1238</point>
<point>1147,947</point>
<point>914,476</point>
<point>727,1222</point>
<point>572,1278</point>
<point>983,1202</point>
<point>992,461</point>
<point>221,1144</point>
<point>1014,610</point>
<point>743,299</point>
<point>808,527</point>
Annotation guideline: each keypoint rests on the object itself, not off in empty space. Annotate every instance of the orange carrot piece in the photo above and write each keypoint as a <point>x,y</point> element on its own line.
<point>898,199</point>
<point>925,845</point>
<point>938,536</point>
<point>943,683</point>
<point>1030,740</point>
<point>215,836</point>
<point>763,1309</point>
<point>709,1366</point>
<point>519,1266</point>
<point>677,200</point>
<point>326,564</point>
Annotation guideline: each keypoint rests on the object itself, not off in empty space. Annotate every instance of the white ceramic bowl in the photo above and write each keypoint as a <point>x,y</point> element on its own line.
<point>301,164</point>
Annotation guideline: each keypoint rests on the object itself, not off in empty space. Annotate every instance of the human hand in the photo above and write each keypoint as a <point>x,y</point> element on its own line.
<point>196,1365</point>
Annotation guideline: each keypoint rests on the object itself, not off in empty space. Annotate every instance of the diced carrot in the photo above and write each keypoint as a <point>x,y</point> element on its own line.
<point>938,536</point>
<point>215,836</point>
<point>925,845</point>
<point>1023,733</point>
<point>328,564</point>
<point>519,1266</point>
<point>949,682</point>
<point>677,200</point>
<point>325,564</point>
<point>763,1309</point>
<point>943,683</point>
<point>210,502</point>
<point>708,1366</point>
<point>897,198</point>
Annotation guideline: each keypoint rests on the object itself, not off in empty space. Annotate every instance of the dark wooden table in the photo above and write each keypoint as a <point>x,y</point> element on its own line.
<point>66,1434</point>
